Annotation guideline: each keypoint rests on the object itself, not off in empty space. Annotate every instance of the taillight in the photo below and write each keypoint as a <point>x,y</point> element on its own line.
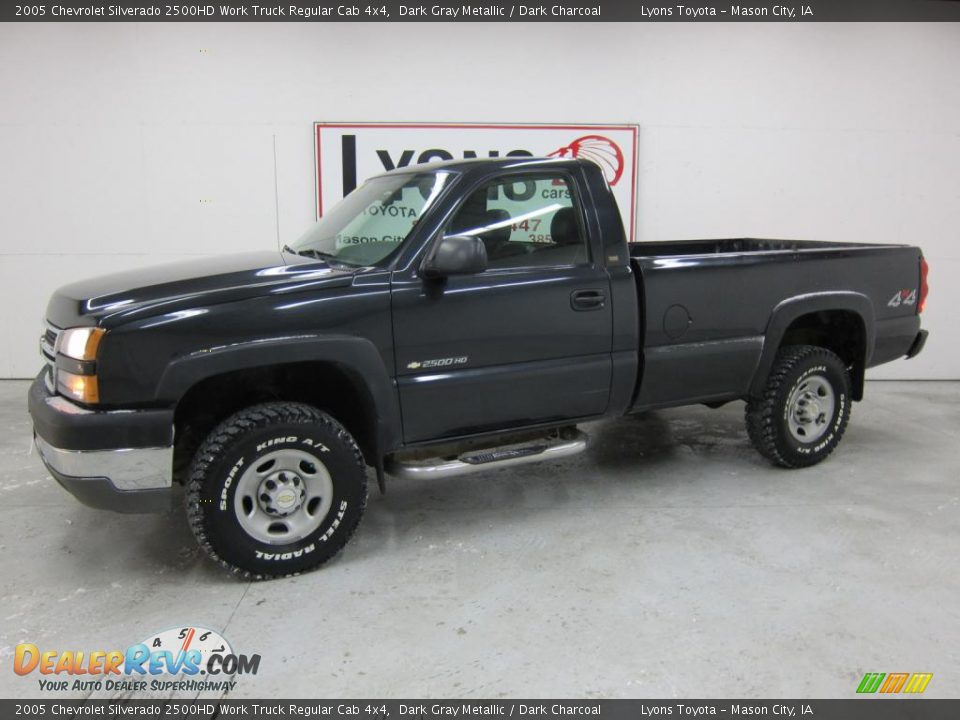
<point>924,288</point>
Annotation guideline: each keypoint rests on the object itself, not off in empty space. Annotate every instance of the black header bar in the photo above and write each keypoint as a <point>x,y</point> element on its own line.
<point>548,11</point>
<point>872,708</point>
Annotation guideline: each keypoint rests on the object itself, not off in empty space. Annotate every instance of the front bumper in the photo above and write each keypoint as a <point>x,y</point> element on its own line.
<point>118,460</point>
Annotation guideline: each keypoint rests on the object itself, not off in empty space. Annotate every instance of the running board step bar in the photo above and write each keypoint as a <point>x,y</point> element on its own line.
<point>479,460</point>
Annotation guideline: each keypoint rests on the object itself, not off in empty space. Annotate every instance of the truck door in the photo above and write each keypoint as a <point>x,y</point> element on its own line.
<point>528,340</point>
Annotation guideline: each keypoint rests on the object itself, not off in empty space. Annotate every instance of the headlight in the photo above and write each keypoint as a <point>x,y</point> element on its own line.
<point>77,364</point>
<point>80,343</point>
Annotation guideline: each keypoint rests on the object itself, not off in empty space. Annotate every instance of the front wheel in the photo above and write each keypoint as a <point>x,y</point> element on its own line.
<point>804,409</point>
<point>276,489</point>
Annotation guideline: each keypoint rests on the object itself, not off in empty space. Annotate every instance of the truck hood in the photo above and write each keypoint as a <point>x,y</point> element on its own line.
<point>110,299</point>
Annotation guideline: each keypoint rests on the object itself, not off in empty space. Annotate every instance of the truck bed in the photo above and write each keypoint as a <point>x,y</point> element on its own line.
<point>706,306</point>
<point>730,246</point>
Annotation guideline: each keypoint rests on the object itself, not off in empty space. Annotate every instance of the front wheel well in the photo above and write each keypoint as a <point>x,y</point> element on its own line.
<point>326,386</point>
<point>843,332</point>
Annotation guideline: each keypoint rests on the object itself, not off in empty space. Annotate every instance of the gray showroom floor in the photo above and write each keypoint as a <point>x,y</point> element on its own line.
<point>668,560</point>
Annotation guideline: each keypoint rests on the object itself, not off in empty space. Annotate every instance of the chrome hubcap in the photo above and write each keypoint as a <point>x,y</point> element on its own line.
<point>281,493</point>
<point>283,496</point>
<point>810,409</point>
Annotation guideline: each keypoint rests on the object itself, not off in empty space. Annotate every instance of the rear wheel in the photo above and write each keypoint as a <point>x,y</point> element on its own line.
<point>276,489</point>
<point>804,409</point>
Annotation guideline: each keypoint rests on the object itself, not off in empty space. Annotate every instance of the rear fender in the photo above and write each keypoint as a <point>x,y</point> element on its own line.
<point>785,313</point>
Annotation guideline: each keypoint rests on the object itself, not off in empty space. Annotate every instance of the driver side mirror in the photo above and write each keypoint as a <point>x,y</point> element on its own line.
<point>455,255</point>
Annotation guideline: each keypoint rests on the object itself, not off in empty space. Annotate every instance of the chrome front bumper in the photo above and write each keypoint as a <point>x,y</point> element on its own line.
<point>115,460</point>
<point>125,468</point>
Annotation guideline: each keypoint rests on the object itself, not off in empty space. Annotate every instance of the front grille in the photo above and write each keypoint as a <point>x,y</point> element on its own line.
<point>48,349</point>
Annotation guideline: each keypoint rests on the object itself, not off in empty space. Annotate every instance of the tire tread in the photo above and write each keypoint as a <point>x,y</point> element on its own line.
<point>231,430</point>
<point>762,415</point>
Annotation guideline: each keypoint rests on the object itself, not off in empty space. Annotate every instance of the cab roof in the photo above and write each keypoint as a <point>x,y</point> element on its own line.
<point>486,165</point>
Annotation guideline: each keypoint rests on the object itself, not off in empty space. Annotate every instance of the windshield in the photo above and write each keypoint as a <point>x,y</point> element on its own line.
<point>369,224</point>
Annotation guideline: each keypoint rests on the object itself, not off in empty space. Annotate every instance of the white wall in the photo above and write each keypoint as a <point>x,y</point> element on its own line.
<point>127,144</point>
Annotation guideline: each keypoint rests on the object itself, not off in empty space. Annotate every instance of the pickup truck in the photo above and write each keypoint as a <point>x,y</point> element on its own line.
<point>443,319</point>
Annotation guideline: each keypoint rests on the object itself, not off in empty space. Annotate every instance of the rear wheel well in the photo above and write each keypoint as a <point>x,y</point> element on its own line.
<point>842,332</point>
<point>324,385</point>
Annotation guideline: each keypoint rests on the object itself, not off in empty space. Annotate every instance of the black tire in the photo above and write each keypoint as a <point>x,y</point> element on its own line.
<point>228,460</point>
<point>798,372</point>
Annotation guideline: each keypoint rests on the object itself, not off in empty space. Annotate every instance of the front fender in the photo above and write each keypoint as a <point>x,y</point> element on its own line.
<point>357,357</point>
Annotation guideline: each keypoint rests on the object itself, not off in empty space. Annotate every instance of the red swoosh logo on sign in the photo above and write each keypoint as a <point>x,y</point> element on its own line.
<point>601,150</point>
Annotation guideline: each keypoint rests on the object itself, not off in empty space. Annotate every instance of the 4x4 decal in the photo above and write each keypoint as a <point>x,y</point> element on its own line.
<point>904,297</point>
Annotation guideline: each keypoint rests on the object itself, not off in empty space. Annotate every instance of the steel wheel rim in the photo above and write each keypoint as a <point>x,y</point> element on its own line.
<point>283,496</point>
<point>810,409</point>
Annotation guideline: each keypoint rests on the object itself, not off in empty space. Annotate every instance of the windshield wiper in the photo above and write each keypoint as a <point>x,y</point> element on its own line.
<point>317,255</point>
<point>309,252</point>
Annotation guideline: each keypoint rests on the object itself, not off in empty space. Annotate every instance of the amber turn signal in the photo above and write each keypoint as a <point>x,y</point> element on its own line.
<point>83,388</point>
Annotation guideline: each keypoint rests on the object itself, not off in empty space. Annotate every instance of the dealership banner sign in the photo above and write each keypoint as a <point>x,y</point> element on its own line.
<point>348,153</point>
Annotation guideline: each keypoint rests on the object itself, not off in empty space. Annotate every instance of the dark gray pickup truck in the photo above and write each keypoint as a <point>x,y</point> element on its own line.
<point>443,319</point>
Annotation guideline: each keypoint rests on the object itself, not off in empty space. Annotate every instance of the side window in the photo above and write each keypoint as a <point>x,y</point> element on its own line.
<point>524,221</point>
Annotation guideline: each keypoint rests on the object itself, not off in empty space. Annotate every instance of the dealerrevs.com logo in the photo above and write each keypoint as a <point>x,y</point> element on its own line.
<point>191,659</point>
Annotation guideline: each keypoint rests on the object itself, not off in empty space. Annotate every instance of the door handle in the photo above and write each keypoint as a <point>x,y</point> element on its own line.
<point>587,299</point>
